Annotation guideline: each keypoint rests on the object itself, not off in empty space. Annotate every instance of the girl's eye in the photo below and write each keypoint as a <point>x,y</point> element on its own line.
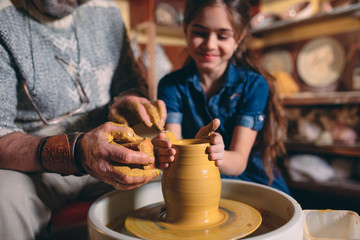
<point>201,34</point>
<point>223,37</point>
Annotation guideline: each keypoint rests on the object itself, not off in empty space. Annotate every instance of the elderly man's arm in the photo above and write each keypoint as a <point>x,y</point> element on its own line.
<point>94,153</point>
<point>18,152</point>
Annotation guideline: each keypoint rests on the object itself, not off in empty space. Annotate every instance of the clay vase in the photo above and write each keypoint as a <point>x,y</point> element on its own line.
<point>191,187</point>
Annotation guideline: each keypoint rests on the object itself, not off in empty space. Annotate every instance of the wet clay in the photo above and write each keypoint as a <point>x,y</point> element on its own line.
<point>144,146</point>
<point>147,223</point>
<point>153,110</point>
<point>155,113</point>
<point>129,139</point>
<point>191,187</point>
<point>126,135</point>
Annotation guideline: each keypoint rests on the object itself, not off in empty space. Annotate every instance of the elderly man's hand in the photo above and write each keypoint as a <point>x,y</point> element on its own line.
<point>104,155</point>
<point>133,110</point>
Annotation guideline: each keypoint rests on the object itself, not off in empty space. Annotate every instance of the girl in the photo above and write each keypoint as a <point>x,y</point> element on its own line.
<point>221,82</point>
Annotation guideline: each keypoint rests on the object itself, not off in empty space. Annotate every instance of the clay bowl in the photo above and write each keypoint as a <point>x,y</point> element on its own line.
<point>282,215</point>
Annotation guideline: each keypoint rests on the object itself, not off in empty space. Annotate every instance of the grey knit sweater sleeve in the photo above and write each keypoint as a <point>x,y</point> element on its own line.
<point>92,41</point>
<point>8,100</point>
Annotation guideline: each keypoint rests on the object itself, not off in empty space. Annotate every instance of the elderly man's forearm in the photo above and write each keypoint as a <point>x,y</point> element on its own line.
<point>18,151</point>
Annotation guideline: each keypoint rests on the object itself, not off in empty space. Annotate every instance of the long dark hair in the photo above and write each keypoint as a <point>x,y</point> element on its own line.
<point>270,139</point>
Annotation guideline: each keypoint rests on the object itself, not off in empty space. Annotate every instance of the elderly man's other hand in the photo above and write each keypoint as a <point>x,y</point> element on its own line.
<point>132,109</point>
<point>104,155</point>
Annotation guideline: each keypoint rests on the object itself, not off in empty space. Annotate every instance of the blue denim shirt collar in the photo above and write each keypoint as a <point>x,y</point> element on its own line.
<point>193,76</point>
<point>233,75</point>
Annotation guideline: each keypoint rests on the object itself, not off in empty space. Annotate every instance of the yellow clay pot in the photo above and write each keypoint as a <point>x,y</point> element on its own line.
<point>191,187</point>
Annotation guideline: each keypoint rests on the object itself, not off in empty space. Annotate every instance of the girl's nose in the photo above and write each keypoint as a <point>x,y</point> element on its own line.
<point>211,41</point>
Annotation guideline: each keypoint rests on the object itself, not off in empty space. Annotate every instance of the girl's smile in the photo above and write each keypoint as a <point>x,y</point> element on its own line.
<point>208,56</point>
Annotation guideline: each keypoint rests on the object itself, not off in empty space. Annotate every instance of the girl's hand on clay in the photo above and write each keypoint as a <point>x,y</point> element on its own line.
<point>133,109</point>
<point>102,155</point>
<point>205,131</point>
<point>164,153</point>
<point>216,150</point>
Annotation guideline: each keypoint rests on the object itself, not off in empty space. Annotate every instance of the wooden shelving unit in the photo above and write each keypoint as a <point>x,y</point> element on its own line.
<point>291,35</point>
<point>333,149</point>
<point>322,98</point>
<point>351,11</point>
<point>165,35</point>
<point>285,31</point>
<point>344,188</point>
<point>174,36</point>
<point>318,99</point>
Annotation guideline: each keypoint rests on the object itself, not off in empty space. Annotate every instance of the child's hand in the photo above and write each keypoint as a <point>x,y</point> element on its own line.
<point>216,150</point>
<point>205,131</point>
<point>164,153</point>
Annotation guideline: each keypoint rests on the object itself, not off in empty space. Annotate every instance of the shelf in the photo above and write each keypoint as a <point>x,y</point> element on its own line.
<point>353,10</point>
<point>322,98</point>
<point>345,188</point>
<point>165,35</point>
<point>173,36</point>
<point>345,20</point>
<point>334,149</point>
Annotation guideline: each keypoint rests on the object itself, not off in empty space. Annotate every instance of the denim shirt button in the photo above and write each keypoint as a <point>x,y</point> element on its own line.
<point>261,118</point>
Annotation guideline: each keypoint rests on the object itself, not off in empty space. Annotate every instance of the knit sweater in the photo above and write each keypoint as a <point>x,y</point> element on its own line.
<point>92,40</point>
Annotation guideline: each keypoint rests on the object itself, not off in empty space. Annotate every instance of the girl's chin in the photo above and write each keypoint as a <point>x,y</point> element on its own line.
<point>205,64</point>
<point>202,66</point>
<point>205,68</point>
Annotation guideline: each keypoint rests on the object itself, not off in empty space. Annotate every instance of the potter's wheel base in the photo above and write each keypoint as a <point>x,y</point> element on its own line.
<point>241,221</point>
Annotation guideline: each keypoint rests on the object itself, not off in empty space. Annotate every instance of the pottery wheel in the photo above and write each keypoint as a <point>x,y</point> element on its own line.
<point>241,220</point>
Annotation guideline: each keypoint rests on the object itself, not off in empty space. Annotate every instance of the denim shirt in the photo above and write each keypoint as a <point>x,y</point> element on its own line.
<point>240,102</point>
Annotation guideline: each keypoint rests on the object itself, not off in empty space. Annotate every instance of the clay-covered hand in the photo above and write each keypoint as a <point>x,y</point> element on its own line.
<point>216,149</point>
<point>114,154</point>
<point>164,153</point>
<point>133,109</point>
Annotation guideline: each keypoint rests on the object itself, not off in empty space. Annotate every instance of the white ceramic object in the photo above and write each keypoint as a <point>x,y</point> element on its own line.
<point>331,225</point>
<point>278,60</point>
<point>263,20</point>
<point>280,211</point>
<point>321,62</point>
<point>299,10</point>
